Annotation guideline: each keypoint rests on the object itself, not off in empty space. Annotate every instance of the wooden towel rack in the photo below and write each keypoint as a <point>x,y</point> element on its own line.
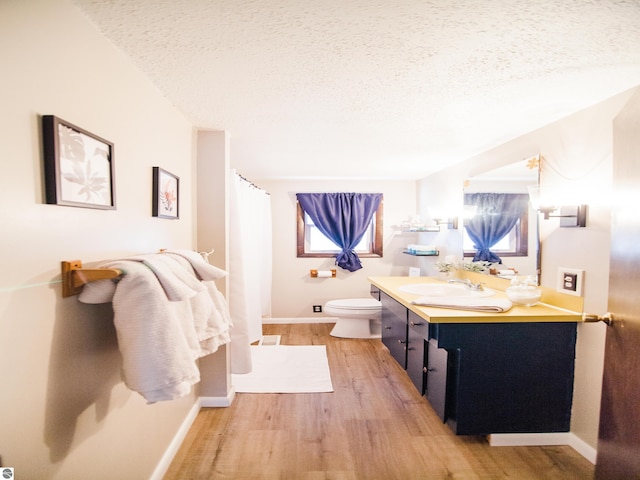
<point>74,276</point>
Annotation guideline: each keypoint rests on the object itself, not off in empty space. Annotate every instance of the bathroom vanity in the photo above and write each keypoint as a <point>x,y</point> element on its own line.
<point>484,373</point>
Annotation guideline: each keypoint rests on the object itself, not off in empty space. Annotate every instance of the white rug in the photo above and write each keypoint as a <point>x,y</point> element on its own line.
<point>286,369</point>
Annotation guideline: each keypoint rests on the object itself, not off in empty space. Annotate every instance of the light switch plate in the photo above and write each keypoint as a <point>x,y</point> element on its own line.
<point>570,281</point>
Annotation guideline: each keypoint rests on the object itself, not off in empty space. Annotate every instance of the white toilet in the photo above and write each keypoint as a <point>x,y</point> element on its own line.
<point>357,317</point>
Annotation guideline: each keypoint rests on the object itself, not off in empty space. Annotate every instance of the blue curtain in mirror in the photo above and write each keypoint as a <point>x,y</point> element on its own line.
<point>496,215</point>
<point>343,218</point>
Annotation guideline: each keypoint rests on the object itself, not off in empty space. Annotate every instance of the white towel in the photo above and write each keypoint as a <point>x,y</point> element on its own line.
<point>210,310</point>
<point>165,319</point>
<point>497,305</point>
<point>177,284</point>
<point>98,291</point>
<point>218,325</point>
<point>154,337</point>
<point>204,270</point>
<point>213,327</point>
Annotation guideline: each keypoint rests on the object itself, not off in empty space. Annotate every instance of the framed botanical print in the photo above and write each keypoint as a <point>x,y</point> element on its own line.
<point>166,190</point>
<point>78,166</point>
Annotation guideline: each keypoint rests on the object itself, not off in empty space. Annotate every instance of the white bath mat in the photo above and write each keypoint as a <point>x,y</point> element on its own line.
<point>286,369</point>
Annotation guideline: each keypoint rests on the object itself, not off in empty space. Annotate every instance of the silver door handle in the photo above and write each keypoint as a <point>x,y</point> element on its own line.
<point>593,318</point>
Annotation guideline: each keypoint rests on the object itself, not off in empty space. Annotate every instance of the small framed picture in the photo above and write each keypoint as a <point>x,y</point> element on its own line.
<point>166,194</point>
<point>78,166</point>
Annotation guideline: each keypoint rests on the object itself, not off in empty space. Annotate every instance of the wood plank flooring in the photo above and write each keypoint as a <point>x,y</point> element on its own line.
<point>375,425</point>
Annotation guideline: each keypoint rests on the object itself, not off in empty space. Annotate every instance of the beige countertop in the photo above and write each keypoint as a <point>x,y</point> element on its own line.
<point>541,312</point>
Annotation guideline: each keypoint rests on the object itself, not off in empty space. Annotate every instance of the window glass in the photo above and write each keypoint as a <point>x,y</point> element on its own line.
<point>317,242</point>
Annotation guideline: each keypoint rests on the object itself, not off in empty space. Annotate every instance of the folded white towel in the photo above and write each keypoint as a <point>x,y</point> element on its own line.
<point>165,319</point>
<point>497,305</point>
<point>98,291</point>
<point>155,337</point>
<point>178,283</point>
<point>204,270</point>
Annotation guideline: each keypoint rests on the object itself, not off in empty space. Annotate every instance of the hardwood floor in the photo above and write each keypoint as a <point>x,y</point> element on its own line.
<point>375,425</point>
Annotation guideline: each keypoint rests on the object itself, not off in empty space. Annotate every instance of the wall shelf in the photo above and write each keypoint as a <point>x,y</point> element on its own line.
<point>406,252</point>
<point>434,228</point>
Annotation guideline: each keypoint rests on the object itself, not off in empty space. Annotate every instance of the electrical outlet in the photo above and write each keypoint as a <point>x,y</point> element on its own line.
<point>570,281</point>
<point>317,309</point>
<point>414,272</point>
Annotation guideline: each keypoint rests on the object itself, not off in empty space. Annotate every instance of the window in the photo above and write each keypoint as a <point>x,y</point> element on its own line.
<point>313,243</point>
<point>514,244</point>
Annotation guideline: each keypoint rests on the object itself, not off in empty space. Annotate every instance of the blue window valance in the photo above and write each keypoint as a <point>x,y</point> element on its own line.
<point>496,215</point>
<point>343,218</point>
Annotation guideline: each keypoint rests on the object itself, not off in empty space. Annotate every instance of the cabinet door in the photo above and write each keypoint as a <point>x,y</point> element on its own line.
<point>416,359</point>
<point>436,381</point>
<point>375,292</point>
<point>394,328</point>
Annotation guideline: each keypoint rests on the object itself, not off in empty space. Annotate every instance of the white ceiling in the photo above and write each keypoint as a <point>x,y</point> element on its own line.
<point>374,88</point>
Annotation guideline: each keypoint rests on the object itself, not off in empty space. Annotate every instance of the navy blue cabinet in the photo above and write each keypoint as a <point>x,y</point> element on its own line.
<point>484,378</point>
<point>394,328</point>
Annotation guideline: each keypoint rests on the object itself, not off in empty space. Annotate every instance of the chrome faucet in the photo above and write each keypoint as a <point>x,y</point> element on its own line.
<point>472,286</point>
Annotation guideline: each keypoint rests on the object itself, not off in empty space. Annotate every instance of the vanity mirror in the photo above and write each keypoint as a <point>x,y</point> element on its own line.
<point>499,219</point>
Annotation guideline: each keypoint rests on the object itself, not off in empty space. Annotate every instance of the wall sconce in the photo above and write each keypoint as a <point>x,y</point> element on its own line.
<point>569,215</point>
<point>451,222</point>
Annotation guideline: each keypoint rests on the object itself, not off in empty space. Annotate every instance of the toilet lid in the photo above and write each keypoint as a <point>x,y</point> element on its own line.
<point>355,304</point>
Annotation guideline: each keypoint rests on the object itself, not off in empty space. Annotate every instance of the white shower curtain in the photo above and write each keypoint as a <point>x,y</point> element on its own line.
<point>250,264</point>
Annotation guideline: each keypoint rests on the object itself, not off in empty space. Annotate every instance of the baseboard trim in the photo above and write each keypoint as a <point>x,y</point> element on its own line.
<point>217,402</point>
<point>202,402</point>
<point>268,321</point>
<point>542,439</point>
<point>583,448</point>
<point>528,439</point>
<point>165,462</point>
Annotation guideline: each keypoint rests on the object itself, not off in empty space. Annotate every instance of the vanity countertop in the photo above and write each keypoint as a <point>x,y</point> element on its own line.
<point>542,312</point>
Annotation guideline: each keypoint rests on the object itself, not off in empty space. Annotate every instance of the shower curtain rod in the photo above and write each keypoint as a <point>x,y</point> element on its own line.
<point>251,183</point>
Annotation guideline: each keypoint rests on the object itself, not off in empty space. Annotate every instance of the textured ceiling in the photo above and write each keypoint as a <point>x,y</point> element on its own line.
<point>370,88</point>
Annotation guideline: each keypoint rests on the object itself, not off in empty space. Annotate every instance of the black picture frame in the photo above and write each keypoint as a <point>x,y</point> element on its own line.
<point>166,194</point>
<point>79,167</point>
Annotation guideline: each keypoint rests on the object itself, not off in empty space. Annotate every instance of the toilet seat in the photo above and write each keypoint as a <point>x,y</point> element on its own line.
<point>362,305</point>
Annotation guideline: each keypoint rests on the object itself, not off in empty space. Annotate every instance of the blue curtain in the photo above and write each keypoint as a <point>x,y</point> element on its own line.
<point>496,215</point>
<point>343,218</point>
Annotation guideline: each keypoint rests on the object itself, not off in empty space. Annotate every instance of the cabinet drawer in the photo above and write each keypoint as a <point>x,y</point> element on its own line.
<point>419,325</point>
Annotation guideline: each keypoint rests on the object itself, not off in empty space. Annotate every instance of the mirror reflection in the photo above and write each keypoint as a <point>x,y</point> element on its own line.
<point>500,225</point>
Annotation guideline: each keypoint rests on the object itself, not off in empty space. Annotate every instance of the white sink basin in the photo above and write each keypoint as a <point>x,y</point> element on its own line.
<point>450,290</point>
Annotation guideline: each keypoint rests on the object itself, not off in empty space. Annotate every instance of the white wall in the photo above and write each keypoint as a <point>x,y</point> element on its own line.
<point>294,292</point>
<point>578,150</point>
<point>65,412</point>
